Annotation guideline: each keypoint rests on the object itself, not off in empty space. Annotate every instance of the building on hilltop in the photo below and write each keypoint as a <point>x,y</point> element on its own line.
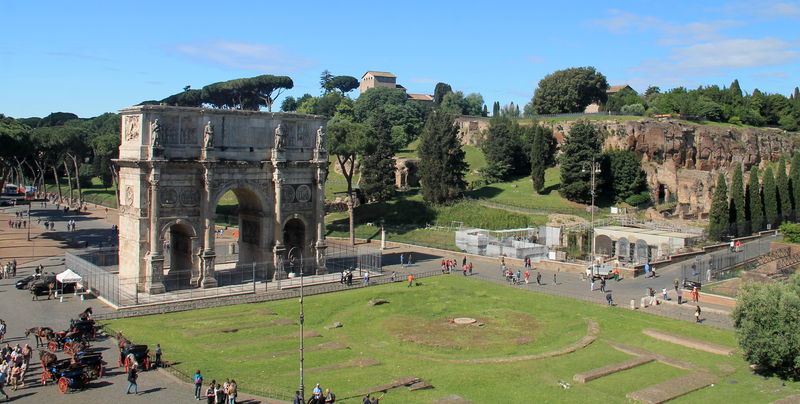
<point>372,79</point>
<point>594,107</point>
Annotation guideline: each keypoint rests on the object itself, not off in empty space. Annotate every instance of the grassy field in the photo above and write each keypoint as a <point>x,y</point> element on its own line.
<point>411,336</point>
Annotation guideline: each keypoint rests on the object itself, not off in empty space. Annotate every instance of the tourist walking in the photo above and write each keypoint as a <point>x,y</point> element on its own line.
<point>679,291</point>
<point>3,379</point>
<point>402,264</point>
<point>2,330</point>
<point>538,278</point>
<point>366,278</point>
<point>158,356</point>
<point>316,393</point>
<point>555,282</point>
<point>198,384</point>
<point>527,276</point>
<point>132,376</point>
<point>329,396</point>
<point>602,284</point>
<point>609,299</point>
<point>695,295</point>
<point>211,395</point>
<point>410,280</point>
<point>591,288</point>
<point>297,398</point>
<point>410,261</point>
<point>697,314</point>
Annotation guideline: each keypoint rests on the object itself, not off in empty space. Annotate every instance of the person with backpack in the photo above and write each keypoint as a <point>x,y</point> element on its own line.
<point>132,376</point>
<point>329,396</point>
<point>198,384</point>
<point>211,397</point>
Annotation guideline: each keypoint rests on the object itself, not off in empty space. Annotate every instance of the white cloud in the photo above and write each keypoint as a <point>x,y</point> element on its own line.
<point>621,23</point>
<point>534,59</point>
<point>771,10</point>
<point>262,58</point>
<point>734,54</point>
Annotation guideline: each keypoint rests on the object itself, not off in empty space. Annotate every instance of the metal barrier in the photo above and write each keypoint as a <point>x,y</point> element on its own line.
<point>721,266</point>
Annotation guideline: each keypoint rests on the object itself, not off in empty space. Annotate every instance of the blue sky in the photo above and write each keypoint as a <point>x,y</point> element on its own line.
<point>90,57</point>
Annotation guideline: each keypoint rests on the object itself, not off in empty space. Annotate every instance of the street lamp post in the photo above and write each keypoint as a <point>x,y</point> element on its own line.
<point>291,258</point>
<point>593,169</point>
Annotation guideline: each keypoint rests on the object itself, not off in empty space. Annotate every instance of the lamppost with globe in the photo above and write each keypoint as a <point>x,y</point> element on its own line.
<point>593,169</point>
<point>291,256</point>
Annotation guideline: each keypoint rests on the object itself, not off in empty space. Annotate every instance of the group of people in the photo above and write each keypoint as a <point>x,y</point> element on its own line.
<point>17,224</point>
<point>14,363</point>
<point>448,266</point>
<point>318,396</point>
<point>216,393</point>
<point>9,270</point>
<point>70,226</point>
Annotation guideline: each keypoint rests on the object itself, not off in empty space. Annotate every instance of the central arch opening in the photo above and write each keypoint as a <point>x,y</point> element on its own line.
<point>294,236</point>
<point>180,261</point>
<point>241,252</point>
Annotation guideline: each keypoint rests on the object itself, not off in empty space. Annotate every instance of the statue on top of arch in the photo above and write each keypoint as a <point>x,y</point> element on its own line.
<point>321,139</point>
<point>208,136</point>
<point>279,138</point>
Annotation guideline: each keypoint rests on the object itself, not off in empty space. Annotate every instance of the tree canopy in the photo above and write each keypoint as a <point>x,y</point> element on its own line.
<point>442,160</point>
<point>579,150</point>
<point>568,90</point>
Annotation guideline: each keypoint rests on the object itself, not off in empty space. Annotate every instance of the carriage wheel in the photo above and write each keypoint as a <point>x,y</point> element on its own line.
<point>68,348</point>
<point>63,385</point>
<point>52,346</point>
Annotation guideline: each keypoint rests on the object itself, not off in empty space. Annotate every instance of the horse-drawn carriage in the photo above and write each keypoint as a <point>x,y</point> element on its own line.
<point>130,354</point>
<point>71,374</point>
<point>85,327</point>
<point>68,341</point>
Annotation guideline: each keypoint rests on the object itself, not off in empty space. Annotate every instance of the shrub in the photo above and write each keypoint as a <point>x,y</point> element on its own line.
<point>791,232</point>
<point>638,199</point>
<point>633,109</point>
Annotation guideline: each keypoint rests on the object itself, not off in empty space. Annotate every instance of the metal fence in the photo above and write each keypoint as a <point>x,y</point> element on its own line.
<point>725,265</point>
<point>98,268</point>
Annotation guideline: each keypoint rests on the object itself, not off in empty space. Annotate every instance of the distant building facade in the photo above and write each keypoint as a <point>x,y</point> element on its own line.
<point>595,107</point>
<point>372,79</point>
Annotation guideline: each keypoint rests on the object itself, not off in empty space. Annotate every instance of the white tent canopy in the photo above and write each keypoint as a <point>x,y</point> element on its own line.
<point>68,276</point>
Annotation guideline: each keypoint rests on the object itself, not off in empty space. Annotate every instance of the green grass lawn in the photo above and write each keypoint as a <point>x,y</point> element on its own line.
<point>411,335</point>
<point>97,193</point>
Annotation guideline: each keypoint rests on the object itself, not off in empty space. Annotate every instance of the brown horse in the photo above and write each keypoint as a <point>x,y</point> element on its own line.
<point>40,333</point>
<point>46,358</point>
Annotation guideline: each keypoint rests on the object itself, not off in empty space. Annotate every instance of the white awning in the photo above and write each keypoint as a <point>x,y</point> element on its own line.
<point>68,276</point>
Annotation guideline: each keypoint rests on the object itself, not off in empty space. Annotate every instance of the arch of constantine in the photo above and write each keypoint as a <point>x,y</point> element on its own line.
<point>176,163</point>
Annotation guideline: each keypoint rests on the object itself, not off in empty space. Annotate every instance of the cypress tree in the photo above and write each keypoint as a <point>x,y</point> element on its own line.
<point>442,165</point>
<point>377,162</point>
<point>718,218</point>
<point>771,213</point>
<point>794,185</point>
<point>496,109</point>
<point>541,155</point>
<point>581,147</point>
<point>737,216</point>
<point>485,111</point>
<point>782,187</point>
<point>756,206</point>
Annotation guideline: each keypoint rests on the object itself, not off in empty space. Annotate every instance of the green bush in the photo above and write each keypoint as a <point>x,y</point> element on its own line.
<point>791,232</point>
<point>638,199</point>
<point>633,109</point>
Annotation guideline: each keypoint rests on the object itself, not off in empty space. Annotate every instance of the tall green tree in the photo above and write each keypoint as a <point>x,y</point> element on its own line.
<point>718,218</point>
<point>755,212</point>
<point>769,190</point>
<point>737,209</point>
<point>766,323</point>
<point>344,84</point>
<point>569,90</point>
<point>624,174</point>
<point>784,194</point>
<point>542,154</point>
<point>580,148</point>
<point>496,109</point>
<point>440,91</point>
<point>377,162</point>
<point>503,150</point>
<point>442,163</point>
<point>346,141</point>
<point>794,184</point>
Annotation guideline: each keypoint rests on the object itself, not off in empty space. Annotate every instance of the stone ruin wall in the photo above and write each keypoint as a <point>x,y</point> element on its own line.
<point>683,160</point>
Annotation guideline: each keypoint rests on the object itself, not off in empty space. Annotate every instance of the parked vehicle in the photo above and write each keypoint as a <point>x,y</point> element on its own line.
<point>24,282</point>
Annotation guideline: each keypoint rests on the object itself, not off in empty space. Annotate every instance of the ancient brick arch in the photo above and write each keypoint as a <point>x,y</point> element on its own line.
<point>176,163</point>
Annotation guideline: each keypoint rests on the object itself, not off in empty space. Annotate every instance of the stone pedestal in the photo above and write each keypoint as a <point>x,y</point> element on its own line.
<point>209,280</point>
<point>322,268</point>
<point>154,284</point>
<point>278,258</point>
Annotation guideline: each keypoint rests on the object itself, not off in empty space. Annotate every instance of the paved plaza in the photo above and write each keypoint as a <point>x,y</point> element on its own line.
<point>95,226</point>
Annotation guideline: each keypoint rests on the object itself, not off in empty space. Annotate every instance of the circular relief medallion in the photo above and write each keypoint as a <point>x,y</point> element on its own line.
<point>288,193</point>
<point>303,193</point>
<point>189,197</point>
<point>169,197</point>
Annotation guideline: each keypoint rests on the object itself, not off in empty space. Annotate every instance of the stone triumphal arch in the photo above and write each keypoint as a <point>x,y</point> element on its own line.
<point>176,163</point>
